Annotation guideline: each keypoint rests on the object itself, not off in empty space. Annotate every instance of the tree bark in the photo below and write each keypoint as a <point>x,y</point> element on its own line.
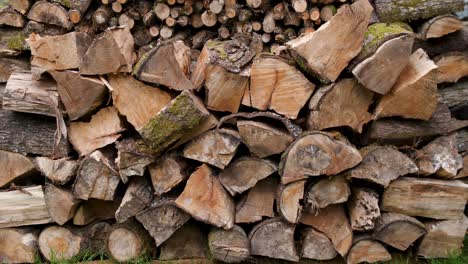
<point>363,208</point>
<point>137,197</point>
<point>396,10</point>
<point>316,245</point>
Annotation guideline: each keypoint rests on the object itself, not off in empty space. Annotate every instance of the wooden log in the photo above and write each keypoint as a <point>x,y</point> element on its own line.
<point>188,242</point>
<point>101,16</point>
<point>317,153</point>
<point>382,164</point>
<point>153,66</point>
<point>273,238</point>
<point>462,141</point>
<point>58,52</point>
<point>80,5</point>
<point>277,85</point>
<point>365,249</point>
<point>451,66</point>
<point>345,96</point>
<point>333,223</point>
<point>133,156</point>
<point>162,219</point>
<point>10,17</point>
<point>8,65</point>
<point>50,13</point>
<point>128,241</point>
<point>440,158</point>
<point>103,129</point>
<point>438,199</point>
<point>444,239</point>
<point>316,245</point>
<point>230,246</point>
<point>18,245</point>
<point>216,147</point>
<point>96,177</point>
<point>95,210</point>
<point>455,41</point>
<point>398,230</point>
<point>440,26</point>
<point>393,10</point>
<point>258,202</point>
<point>244,173</point>
<point>209,203</point>
<point>128,22</point>
<point>363,208</point>
<point>137,197</point>
<point>61,243</point>
<point>288,197</point>
<point>60,203</point>
<point>167,172</point>
<point>239,49</point>
<point>463,172</point>
<point>23,207</point>
<point>74,16</point>
<point>344,34</point>
<point>162,11</point>
<point>21,6</point>
<point>112,52</point>
<point>14,167</point>
<point>326,191</point>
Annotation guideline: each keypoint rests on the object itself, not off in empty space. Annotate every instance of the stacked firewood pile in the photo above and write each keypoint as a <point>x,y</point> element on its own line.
<point>169,129</point>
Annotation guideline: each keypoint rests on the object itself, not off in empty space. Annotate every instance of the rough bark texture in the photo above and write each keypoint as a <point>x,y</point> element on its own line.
<point>137,197</point>
<point>59,171</point>
<point>258,202</point>
<point>230,246</point>
<point>400,10</point>
<point>133,156</point>
<point>363,208</point>
<point>60,203</point>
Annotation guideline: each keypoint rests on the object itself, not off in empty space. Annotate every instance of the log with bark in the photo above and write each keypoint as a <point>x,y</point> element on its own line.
<point>326,191</point>
<point>50,13</point>
<point>133,157</point>
<point>14,167</point>
<point>363,208</point>
<point>258,202</point>
<point>230,246</point>
<point>451,66</point>
<point>456,41</point>
<point>440,26</point>
<point>137,197</point>
<point>95,210</point>
<point>365,249</point>
<point>128,241</point>
<point>288,199</point>
<point>18,245</point>
<point>188,242</point>
<point>316,245</point>
<point>60,203</point>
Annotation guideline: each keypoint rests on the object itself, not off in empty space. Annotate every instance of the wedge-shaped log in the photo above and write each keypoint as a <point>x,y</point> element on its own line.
<point>363,208</point>
<point>316,245</point>
<point>60,203</point>
<point>230,246</point>
<point>10,17</point>
<point>216,147</point>
<point>317,153</point>
<point>277,85</point>
<point>137,197</point>
<point>258,202</point>
<point>188,242</point>
<point>328,50</point>
<point>18,245</point>
<point>112,52</point>
<point>50,13</point>
<point>167,172</point>
<point>167,64</point>
<point>463,172</point>
<point>80,95</point>
<point>273,238</point>
<point>162,219</point>
<point>440,26</point>
<point>367,250</point>
<point>451,66</point>
<point>133,156</point>
<point>95,210</point>
<point>14,167</point>
<point>8,65</point>
<point>345,96</point>
<point>59,52</point>
<point>26,207</point>
<point>326,191</point>
<point>96,177</point>
<point>288,199</point>
<point>439,199</point>
<point>382,164</point>
<point>444,239</point>
<point>333,223</point>
<point>206,200</point>
<point>103,129</point>
<point>59,171</point>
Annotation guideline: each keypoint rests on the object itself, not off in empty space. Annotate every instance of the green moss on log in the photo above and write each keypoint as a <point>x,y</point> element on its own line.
<point>377,33</point>
<point>17,42</point>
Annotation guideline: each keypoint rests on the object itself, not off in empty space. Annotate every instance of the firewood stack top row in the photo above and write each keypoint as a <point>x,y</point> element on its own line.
<point>233,130</point>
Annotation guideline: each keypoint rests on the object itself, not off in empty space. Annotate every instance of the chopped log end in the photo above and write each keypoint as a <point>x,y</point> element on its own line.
<point>288,200</point>
<point>364,209</point>
<point>128,241</point>
<point>60,203</point>
<point>60,243</point>
<point>258,202</point>
<point>59,171</point>
<point>230,246</point>
<point>18,245</point>
<point>316,245</point>
<point>440,26</point>
<point>327,191</point>
<point>137,197</point>
<point>367,250</point>
<point>14,167</point>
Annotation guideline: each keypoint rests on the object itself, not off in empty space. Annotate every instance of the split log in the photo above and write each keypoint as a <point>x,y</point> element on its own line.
<point>244,173</point>
<point>95,210</point>
<point>438,199</point>
<point>382,164</point>
<point>167,172</point>
<point>258,202</point>
<point>288,200</point>
<point>440,26</point>
<point>96,177</point>
<point>166,64</point>
<point>10,17</point>
<point>8,65</point>
<point>363,208</point>
<point>462,141</point>
<point>23,94</point>
<point>50,13</point>
<point>316,245</point>
<point>133,156</point>
<point>21,6</point>
<point>137,197</point>
<point>397,230</point>
<point>456,41</point>
<point>128,241</point>
<point>80,95</point>
<point>103,129</point>
<point>110,53</point>
<point>206,200</point>
<point>230,246</point>
<point>440,157</point>
<point>25,207</point>
<point>273,238</point>
<point>14,167</point>
<point>135,100</point>
<point>327,51</point>
<point>216,147</point>
<point>367,250</point>
<point>394,10</point>
<point>263,139</point>
<point>177,119</point>
<point>317,153</point>
<point>12,42</point>
<point>345,96</point>
<point>277,85</point>
<point>18,245</point>
<point>162,219</point>
<point>414,94</point>
<point>333,223</point>
<point>326,191</point>
<point>444,239</point>
<point>234,55</point>
<point>101,16</point>
<point>60,203</point>
<point>188,242</point>
<point>58,52</point>
<point>463,172</point>
<point>451,66</point>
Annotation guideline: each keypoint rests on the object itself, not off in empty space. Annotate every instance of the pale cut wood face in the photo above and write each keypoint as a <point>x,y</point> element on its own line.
<point>124,244</point>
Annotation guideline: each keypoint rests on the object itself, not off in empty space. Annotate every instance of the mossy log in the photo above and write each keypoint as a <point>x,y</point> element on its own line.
<point>12,42</point>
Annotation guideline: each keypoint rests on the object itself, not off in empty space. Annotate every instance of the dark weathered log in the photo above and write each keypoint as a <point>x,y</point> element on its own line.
<point>50,13</point>
<point>363,208</point>
<point>440,26</point>
<point>14,167</point>
<point>188,242</point>
<point>128,241</point>
<point>367,250</point>
<point>230,246</point>
<point>137,197</point>
<point>167,172</point>
<point>326,191</point>
<point>18,245</point>
<point>258,202</point>
<point>60,203</point>
<point>12,42</point>
<point>10,17</point>
<point>95,210</point>
<point>451,66</point>
<point>133,156</point>
<point>8,65</point>
<point>463,172</point>
<point>316,245</point>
